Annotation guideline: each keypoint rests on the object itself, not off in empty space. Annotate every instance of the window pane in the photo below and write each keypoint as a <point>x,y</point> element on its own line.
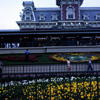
<point>27,18</point>
<point>70,13</point>
<point>70,16</point>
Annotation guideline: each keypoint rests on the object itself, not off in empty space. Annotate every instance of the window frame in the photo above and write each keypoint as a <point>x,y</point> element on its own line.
<point>70,15</point>
<point>54,17</point>
<point>42,17</point>
<point>28,15</point>
<point>97,17</point>
<point>86,16</point>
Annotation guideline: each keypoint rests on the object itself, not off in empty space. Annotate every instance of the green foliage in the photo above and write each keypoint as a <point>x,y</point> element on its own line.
<point>56,88</point>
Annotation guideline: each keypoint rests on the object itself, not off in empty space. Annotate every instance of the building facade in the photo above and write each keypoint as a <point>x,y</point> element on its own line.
<point>69,24</point>
<point>68,14</point>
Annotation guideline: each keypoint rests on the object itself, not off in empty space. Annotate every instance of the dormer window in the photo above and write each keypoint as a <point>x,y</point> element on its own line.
<point>98,16</point>
<point>70,12</point>
<point>42,17</point>
<point>85,16</point>
<point>27,15</point>
<point>54,17</point>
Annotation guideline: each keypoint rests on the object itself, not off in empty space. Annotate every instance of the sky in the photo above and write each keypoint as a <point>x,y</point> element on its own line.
<point>10,10</point>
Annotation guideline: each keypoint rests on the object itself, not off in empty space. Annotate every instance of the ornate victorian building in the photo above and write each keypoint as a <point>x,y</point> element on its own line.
<point>69,24</point>
<point>68,14</point>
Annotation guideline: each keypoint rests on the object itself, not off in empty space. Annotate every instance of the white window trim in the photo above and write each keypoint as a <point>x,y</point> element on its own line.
<point>86,16</point>
<point>67,14</point>
<point>42,17</point>
<point>54,17</point>
<point>97,16</point>
<point>29,15</point>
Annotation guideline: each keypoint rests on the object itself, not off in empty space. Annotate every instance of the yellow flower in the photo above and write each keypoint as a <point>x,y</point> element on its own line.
<point>82,96</point>
<point>52,98</point>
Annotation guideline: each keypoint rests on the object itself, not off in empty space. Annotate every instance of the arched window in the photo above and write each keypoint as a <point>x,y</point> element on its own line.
<point>70,12</point>
<point>28,15</point>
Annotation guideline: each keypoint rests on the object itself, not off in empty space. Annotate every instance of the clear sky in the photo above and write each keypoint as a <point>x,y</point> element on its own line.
<point>10,9</point>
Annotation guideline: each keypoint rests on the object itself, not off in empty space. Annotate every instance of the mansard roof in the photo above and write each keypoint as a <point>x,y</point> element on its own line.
<point>57,8</point>
<point>90,8</point>
<point>48,9</point>
<point>50,17</point>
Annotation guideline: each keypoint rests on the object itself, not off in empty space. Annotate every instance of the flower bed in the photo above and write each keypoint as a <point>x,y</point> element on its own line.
<point>20,58</point>
<point>59,88</point>
<point>75,57</point>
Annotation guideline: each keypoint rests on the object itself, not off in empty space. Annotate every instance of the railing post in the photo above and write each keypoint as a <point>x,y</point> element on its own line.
<point>49,68</point>
<point>23,68</point>
<point>76,67</point>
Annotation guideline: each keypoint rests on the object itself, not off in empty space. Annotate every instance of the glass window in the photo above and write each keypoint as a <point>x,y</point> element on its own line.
<point>54,17</point>
<point>27,15</point>
<point>70,13</point>
<point>42,17</point>
<point>98,16</point>
<point>86,16</point>
<point>27,18</point>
